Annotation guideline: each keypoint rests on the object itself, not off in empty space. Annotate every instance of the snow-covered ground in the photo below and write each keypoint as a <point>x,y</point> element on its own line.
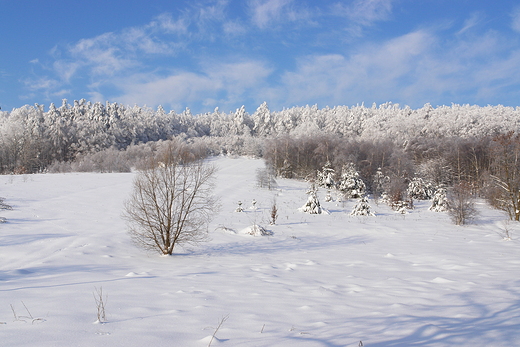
<point>319,280</point>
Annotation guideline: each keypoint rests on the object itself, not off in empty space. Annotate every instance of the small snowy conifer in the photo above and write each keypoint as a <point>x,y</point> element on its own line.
<point>312,205</point>
<point>419,189</point>
<point>378,185</point>
<point>362,208</point>
<point>286,171</point>
<point>439,201</point>
<point>328,197</point>
<point>326,176</point>
<point>239,208</point>
<point>350,184</point>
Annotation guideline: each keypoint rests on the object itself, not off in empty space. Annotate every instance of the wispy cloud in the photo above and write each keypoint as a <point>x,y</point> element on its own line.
<point>264,12</point>
<point>110,55</point>
<point>471,22</point>
<point>376,69</point>
<point>515,19</point>
<point>412,69</point>
<point>267,14</point>
<point>166,23</point>
<point>210,54</point>
<point>234,28</point>
<point>363,13</point>
<point>222,84</point>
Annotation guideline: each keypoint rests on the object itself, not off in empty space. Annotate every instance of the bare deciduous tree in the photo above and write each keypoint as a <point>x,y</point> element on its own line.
<point>461,204</point>
<point>171,204</point>
<point>506,166</point>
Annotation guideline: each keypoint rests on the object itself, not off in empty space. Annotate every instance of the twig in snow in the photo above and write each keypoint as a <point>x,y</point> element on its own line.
<point>100,305</point>
<point>222,320</point>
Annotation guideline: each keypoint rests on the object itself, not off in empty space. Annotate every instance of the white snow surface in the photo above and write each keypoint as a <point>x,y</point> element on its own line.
<point>319,280</point>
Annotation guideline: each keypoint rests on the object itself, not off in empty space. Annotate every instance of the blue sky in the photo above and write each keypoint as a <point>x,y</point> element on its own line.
<point>204,54</point>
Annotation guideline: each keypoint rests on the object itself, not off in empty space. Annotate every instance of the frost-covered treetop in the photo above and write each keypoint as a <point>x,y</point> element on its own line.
<point>61,133</point>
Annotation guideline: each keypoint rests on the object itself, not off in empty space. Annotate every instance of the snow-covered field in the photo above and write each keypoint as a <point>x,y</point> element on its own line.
<point>319,280</point>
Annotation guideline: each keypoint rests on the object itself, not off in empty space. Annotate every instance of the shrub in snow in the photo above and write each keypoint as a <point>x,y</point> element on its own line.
<point>397,195</point>
<point>328,197</point>
<point>286,171</point>
<point>419,189</point>
<point>4,206</point>
<point>401,207</point>
<point>362,208</point>
<point>461,204</point>
<point>239,208</point>
<point>274,213</point>
<point>312,205</point>
<point>439,201</point>
<point>350,184</point>
<point>325,177</point>
<point>256,230</point>
<point>436,170</point>
<point>378,184</point>
<point>265,178</point>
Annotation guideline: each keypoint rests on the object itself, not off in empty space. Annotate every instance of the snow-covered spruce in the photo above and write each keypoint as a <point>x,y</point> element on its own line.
<point>312,205</point>
<point>328,197</point>
<point>325,177</point>
<point>401,207</point>
<point>350,184</point>
<point>379,181</point>
<point>420,189</point>
<point>362,208</point>
<point>439,201</point>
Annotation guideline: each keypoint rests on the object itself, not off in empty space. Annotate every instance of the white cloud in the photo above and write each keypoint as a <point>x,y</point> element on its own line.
<point>270,13</point>
<point>471,22</point>
<point>177,90</point>
<point>212,13</point>
<point>234,28</point>
<point>375,70</point>
<point>112,53</point>
<point>48,87</point>
<point>42,83</point>
<point>129,65</point>
<point>265,12</point>
<point>61,93</point>
<point>515,23</point>
<point>102,55</point>
<point>411,69</point>
<point>363,13</point>
<point>165,23</point>
<point>139,39</point>
<point>233,80</point>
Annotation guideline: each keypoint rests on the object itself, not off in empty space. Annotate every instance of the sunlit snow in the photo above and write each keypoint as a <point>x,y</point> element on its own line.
<point>318,280</point>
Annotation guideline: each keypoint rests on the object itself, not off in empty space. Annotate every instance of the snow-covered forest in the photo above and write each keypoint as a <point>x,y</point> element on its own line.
<point>425,149</point>
<point>32,138</point>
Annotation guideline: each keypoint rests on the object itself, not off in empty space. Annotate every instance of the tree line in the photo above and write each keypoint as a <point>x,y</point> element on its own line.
<point>443,146</point>
<point>32,138</point>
